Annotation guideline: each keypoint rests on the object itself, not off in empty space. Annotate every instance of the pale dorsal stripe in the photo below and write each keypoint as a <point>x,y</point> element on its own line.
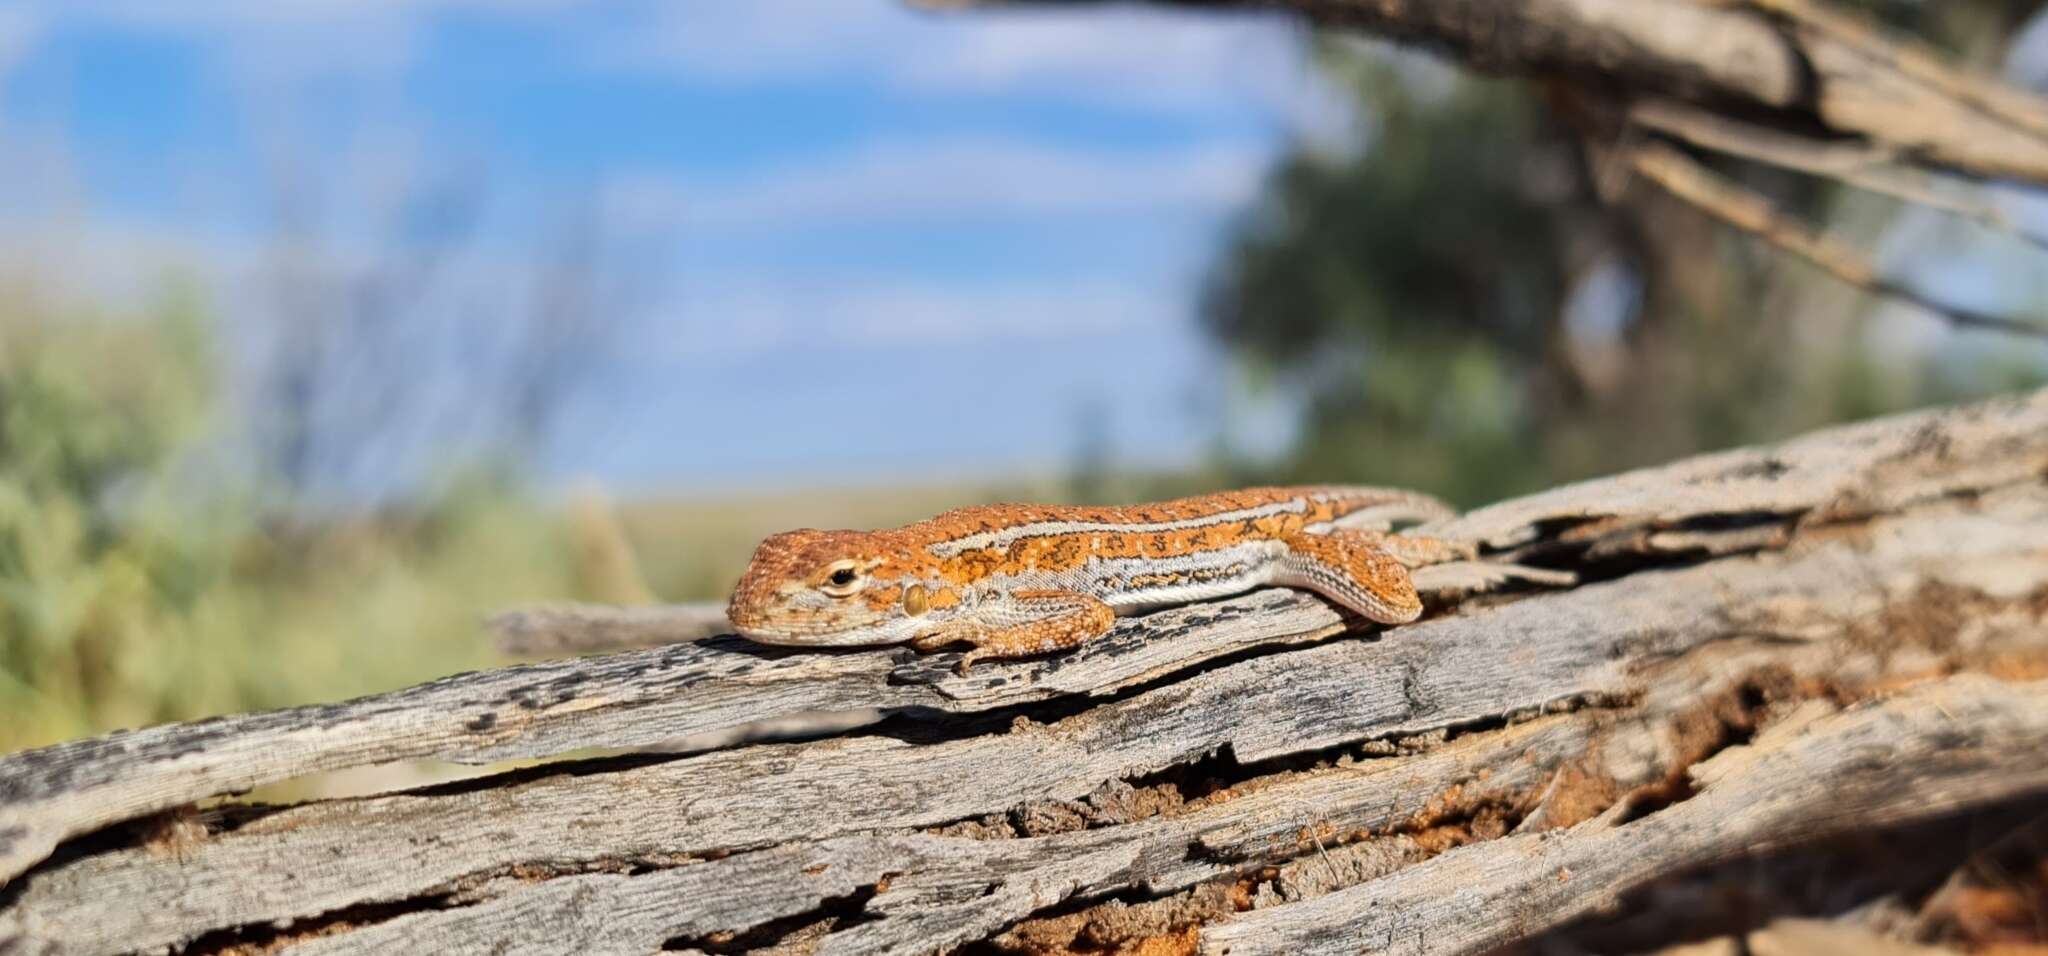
<point>1003,537</point>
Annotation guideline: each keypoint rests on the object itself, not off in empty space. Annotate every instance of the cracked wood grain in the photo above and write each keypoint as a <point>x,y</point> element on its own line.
<point>1930,751</point>
<point>1594,642</point>
<point>639,698</point>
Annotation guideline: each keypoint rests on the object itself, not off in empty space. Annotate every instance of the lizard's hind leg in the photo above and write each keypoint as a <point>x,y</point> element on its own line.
<point>1414,551</point>
<point>1353,569</point>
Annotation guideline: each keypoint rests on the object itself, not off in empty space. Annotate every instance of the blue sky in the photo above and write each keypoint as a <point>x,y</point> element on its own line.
<point>886,243</point>
<point>864,243</point>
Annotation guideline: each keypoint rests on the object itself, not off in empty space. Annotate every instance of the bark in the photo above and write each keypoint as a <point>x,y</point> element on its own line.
<point>1766,646</point>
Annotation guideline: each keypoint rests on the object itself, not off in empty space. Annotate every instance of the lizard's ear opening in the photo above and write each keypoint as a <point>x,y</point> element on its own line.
<point>843,578</point>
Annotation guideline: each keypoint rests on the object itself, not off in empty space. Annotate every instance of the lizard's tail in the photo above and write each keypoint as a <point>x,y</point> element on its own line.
<point>1381,508</point>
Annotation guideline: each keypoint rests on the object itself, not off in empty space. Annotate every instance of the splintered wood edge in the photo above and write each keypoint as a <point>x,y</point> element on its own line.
<point>1843,472</point>
<point>642,698</point>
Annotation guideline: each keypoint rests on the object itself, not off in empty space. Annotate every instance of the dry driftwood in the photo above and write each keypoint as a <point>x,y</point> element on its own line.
<point>1841,631</point>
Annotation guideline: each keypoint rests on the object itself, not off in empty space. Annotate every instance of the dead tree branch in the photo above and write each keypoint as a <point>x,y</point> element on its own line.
<point>1791,83</point>
<point>1868,168</point>
<point>1795,63</point>
<point>555,630</point>
<point>1772,644</point>
<point>1754,213</point>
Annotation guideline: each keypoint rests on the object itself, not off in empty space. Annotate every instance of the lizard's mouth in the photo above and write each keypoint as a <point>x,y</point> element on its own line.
<point>819,635</point>
<point>762,635</point>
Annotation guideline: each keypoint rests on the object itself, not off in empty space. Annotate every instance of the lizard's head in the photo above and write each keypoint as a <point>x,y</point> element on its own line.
<point>822,588</point>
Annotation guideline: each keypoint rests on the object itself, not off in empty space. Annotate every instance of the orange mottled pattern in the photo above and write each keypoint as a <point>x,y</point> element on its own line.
<point>1012,579</point>
<point>792,555</point>
<point>901,553</point>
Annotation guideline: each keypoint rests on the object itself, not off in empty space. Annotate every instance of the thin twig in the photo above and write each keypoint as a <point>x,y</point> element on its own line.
<point>1871,168</point>
<point>1313,827</point>
<point>1754,213</point>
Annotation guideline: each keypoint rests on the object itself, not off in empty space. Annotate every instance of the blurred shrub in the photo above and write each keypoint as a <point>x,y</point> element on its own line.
<point>139,583</point>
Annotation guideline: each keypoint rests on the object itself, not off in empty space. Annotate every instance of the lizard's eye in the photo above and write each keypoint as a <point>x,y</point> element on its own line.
<point>842,579</point>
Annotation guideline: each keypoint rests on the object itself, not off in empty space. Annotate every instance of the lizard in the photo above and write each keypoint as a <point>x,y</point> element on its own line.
<point>1014,580</point>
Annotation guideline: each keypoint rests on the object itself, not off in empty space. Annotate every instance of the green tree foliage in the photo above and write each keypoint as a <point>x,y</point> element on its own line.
<point>1405,288</point>
<point>1459,305</point>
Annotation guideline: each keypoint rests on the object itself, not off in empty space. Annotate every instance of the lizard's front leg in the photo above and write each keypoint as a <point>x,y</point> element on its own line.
<point>1355,570</point>
<point>1023,624</point>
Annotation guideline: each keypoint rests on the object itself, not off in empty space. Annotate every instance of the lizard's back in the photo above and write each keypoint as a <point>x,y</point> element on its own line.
<point>983,526</point>
<point>1146,555</point>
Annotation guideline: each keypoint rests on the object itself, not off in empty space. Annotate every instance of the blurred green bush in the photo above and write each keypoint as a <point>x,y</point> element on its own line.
<point>140,582</point>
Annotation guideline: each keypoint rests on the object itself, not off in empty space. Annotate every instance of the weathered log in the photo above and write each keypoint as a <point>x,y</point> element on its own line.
<point>1250,754</point>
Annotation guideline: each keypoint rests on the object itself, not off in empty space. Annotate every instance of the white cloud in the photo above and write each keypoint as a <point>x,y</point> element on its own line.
<point>214,15</point>
<point>1131,57</point>
<point>271,40</point>
<point>1144,55</point>
<point>955,179</point>
<point>1125,55</point>
<point>740,318</point>
<point>1122,53</point>
<point>19,29</point>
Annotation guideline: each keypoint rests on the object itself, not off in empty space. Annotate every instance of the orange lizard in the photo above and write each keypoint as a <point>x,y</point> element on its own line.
<point>1018,580</point>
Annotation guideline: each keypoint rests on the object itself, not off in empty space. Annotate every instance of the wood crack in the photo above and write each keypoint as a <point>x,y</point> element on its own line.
<point>258,938</point>
<point>795,929</point>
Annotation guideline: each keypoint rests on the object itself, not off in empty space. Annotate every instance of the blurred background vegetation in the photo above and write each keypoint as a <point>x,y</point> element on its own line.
<point>134,589</point>
<point>1461,306</point>
<point>1447,297</point>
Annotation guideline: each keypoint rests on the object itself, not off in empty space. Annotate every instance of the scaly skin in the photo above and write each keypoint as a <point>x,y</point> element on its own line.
<point>1017,580</point>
